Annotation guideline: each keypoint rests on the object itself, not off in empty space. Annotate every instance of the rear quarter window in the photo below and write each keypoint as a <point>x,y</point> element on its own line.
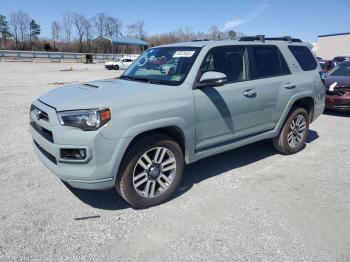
<point>267,61</point>
<point>305,58</point>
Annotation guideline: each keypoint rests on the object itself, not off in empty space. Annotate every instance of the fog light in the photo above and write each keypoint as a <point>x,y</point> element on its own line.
<point>73,153</point>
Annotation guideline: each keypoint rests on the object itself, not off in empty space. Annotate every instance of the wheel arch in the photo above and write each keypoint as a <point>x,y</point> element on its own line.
<point>172,131</point>
<point>307,103</point>
<point>304,100</point>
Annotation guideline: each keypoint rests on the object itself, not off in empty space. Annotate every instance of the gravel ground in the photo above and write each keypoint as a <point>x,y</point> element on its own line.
<point>247,204</point>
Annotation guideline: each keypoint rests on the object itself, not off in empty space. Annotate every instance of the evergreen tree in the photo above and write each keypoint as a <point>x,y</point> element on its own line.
<point>4,31</point>
<point>34,31</point>
<point>231,34</point>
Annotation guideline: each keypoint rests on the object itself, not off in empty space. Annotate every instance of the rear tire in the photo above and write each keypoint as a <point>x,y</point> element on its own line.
<point>293,134</point>
<point>116,67</point>
<point>151,171</point>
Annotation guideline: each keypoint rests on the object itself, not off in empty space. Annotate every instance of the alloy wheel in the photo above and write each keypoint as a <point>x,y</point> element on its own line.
<point>296,131</point>
<point>154,172</point>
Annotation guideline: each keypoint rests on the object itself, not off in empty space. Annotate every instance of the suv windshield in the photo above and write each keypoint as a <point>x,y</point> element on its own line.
<point>342,69</point>
<point>162,65</point>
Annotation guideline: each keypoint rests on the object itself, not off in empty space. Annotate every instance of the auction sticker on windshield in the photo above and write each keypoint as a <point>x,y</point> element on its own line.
<point>184,53</point>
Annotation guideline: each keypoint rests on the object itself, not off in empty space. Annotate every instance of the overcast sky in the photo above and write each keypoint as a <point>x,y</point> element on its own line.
<point>299,18</point>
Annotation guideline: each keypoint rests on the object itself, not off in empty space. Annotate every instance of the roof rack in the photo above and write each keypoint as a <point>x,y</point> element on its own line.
<point>285,38</point>
<point>253,38</point>
<point>262,38</point>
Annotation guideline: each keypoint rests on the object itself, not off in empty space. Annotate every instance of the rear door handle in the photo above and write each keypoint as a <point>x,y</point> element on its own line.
<point>289,86</point>
<point>250,93</point>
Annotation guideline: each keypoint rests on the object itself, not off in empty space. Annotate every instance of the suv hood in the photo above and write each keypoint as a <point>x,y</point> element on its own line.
<point>103,93</point>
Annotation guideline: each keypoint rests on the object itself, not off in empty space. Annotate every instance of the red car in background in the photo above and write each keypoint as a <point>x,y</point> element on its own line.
<point>326,65</point>
<point>337,83</point>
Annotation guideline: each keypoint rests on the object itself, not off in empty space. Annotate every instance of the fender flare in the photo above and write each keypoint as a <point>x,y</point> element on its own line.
<point>138,129</point>
<point>294,98</point>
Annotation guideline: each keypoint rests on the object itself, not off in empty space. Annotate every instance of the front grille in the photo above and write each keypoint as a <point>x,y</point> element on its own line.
<point>45,153</point>
<point>47,134</point>
<point>42,114</point>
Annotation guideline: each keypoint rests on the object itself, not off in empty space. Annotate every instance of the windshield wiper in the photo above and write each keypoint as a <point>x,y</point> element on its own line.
<point>143,79</point>
<point>124,77</point>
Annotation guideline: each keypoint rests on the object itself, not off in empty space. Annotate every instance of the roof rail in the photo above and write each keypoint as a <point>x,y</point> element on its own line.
<point>262,38</point>
<point>284,38</point>
<point>253,38</point>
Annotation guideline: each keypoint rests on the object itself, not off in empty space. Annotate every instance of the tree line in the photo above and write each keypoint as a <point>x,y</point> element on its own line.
<point>75,33</point>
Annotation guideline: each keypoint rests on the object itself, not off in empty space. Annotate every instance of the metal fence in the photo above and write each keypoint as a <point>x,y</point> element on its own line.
<point>58,57</point>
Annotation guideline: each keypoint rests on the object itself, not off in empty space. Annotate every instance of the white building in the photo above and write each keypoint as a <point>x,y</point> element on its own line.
<point>332,45</point>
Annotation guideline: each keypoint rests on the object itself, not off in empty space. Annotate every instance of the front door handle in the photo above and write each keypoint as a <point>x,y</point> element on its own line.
<point>289,86</point>
<point>250,93</point>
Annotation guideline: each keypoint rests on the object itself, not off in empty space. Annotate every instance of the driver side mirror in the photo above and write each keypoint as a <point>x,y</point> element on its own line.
<point>212,78</point>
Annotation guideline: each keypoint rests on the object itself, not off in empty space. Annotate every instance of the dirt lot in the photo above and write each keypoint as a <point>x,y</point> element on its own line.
<point>247,204</point>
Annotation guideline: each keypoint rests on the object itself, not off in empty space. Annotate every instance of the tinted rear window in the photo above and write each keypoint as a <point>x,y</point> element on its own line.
<point>304,57</point>
<point>268,62</point>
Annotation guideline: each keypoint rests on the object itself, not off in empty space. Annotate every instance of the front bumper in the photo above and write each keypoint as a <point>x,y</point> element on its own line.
<point>340,103</point>
<point>97,171</point>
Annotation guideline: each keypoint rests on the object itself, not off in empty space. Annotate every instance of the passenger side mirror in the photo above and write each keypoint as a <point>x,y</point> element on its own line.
<point>212,78</point>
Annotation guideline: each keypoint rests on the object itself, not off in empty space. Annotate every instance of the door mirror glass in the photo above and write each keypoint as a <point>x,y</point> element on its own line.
<point>212,78</point>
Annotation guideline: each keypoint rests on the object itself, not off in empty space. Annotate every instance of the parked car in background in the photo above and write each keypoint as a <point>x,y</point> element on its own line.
<point>326,65</point>
<point>341,58</point>
<point>170,67</point>
<point>117,64</point>
<point>337,83</point>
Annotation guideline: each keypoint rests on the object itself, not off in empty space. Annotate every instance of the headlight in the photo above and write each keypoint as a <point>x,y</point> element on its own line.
<point>86,120</point>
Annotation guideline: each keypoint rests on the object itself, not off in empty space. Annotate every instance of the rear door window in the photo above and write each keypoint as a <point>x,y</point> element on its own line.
<point>267,61</point>
<point>304,57</point>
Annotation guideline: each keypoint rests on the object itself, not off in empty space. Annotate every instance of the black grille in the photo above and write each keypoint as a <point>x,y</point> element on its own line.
<point>45,153</point>
<point>338,91</point>
<point>43,115</point>
<point>47,134</point>
<point>335,93</point>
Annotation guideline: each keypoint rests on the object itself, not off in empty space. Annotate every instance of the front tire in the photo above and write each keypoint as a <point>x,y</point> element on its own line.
<point>151,171</point>
<point>294,132</point>
<point>116,67</point>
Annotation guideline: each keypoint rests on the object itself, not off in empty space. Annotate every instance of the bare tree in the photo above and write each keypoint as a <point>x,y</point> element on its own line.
<point>88,33</point>
<point>14,23</point>
<point>137,29</point>
<point>24,25</point>
<point>186,34</point>
<point>113,26</point>
<point>79,22</point>
<point>55,31</point>
<point>100,22</point>
<point>67,27</point>
<point>214,31</point>
<point>20,24</point>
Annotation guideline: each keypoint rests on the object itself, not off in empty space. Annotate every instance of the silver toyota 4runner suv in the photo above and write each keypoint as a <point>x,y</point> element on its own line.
<point>177,104</point>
